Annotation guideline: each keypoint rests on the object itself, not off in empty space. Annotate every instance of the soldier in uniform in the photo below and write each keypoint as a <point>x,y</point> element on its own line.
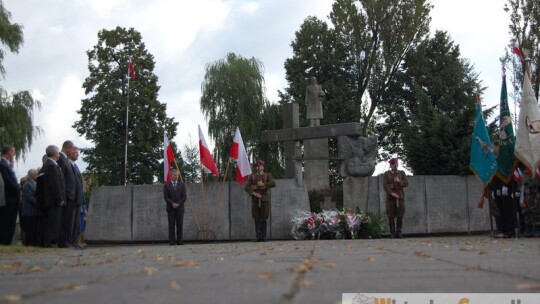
<point>394,182</point>
<point>258,187</point>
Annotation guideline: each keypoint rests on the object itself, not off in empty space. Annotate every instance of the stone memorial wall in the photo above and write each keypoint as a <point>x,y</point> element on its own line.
<point>434,204</point>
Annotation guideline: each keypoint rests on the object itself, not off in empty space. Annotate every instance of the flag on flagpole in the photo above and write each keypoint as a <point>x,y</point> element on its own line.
<point>528,132</point>
<point>206,157</point>
<point>168,158</point>
<point>131,70</point>
<point>516,50</point>
<point>238,152</point>
<point>483,160</point>
<point>506,159</point>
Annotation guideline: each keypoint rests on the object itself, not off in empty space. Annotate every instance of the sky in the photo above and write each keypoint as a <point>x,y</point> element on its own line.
<point>184,36</point>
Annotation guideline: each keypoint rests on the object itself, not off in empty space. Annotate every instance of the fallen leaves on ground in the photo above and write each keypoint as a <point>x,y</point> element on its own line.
<point>307,265</point>
<point>466,248</point>
<point>329,265</point>
<point>370,260</point>
<point>305,283</point>
<point>421,254</point>
<point>187,263</point>
<point>528,286</point>
<point>36,269</point>
<point>265,274</point>
<point>11,266</point>
<point>12,298</point>
<point>474,267</point>
<point>174,285</point>
<point>149,270</point>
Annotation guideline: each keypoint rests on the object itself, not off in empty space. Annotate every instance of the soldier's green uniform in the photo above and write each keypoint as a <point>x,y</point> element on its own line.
<point>259,184</point>
<point>394,182</point>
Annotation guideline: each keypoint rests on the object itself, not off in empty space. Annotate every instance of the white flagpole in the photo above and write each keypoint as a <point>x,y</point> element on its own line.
<point>127,129</point>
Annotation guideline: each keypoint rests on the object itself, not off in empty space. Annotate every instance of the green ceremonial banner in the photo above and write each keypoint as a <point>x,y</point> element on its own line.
<point>505,159</point>
<point>483,160</point>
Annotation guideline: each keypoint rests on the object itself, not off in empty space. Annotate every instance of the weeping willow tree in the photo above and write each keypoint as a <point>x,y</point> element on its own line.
<point>16,121</point>
<point>233,95</point>
<point>16,110</point>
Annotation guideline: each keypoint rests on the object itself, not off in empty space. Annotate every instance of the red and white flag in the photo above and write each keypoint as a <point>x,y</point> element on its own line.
<point>238,152</point>
<point>131,70</point>
<point>206,157</point>
<point>168,158</point>
<point>516,50</point>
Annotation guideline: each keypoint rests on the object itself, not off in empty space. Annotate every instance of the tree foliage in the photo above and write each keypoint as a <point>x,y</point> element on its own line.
<point>233,96</point>
<point>525,32</point>
<point>429,110</point>
<point>359,54</point>
<point>16,109</point>
<point>11,36</point>
<point>191,168</point>
<point>103,112</point>
<point>16,120</point>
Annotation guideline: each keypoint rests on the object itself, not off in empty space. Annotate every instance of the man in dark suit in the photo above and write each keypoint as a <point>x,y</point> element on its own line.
<point>54,195</point>
<point>175,196</point>
<point>8,213</point>
<point>73,157</point>
<point>70,213</point>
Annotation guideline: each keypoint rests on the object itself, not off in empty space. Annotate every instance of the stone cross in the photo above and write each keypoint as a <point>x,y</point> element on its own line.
<point>315,143</point>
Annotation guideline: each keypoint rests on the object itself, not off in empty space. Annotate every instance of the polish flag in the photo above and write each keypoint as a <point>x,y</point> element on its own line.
<point>131,70</point>
<point>168,158</point>
<point>516,50</point>
<point>238,152</point>
<point>206,157</point>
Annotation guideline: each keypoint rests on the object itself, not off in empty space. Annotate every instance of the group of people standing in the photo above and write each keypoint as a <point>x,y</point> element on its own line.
<point>49,202</point>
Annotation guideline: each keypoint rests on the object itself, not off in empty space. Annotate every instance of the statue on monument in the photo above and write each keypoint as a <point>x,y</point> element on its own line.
<point>314,96</point>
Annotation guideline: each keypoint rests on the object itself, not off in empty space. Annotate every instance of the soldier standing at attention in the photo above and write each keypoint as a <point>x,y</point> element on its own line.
<point>258,187</point>
<point>394,182</point>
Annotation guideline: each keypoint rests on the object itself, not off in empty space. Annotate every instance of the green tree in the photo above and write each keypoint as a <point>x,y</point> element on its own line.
<point>103,112</point>
<point>358,55</point>
<point>16,109</point>
<point>16,120</point>
<point>525,32</point>
<point>233,96</point>
<point>11,36</point>
<point>429,109</point>
<point>191,169</point>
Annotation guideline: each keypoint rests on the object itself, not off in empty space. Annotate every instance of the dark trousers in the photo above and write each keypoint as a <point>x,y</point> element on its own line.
<point>260,215</point>
<point>507,211</point>
<point>176,222</point>
<point>31,227</point>
<point>53,225</point>
<point>70,226</point>
<point>8,222</point>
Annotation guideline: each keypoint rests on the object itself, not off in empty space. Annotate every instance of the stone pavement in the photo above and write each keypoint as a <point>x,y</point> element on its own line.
<point>272,272</point>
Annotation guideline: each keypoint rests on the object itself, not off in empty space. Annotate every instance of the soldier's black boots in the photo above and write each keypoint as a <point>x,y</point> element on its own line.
<point>258,231</point>
<point>263,232</point>
<point>399,224</point>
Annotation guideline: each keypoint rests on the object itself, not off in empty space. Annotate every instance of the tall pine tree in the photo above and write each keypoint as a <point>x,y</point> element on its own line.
<point>103,112</point>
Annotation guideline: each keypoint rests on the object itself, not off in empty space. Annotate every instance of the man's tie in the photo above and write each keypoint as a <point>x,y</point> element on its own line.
<point>76,169</point>
<point>174,184</point>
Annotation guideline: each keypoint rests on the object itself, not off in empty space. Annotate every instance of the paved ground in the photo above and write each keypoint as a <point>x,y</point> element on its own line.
<point>273,272</point>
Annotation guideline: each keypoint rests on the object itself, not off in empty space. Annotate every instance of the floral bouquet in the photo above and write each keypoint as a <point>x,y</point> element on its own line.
<point>352,221</point>
<point>334,224</point>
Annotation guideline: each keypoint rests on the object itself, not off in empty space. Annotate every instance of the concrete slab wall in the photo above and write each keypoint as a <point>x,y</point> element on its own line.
<point>222,212</point>
<point>434,204</point>
<point>109,218</point>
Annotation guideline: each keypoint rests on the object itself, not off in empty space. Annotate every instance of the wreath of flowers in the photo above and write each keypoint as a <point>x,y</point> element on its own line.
<point>335,224</point>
